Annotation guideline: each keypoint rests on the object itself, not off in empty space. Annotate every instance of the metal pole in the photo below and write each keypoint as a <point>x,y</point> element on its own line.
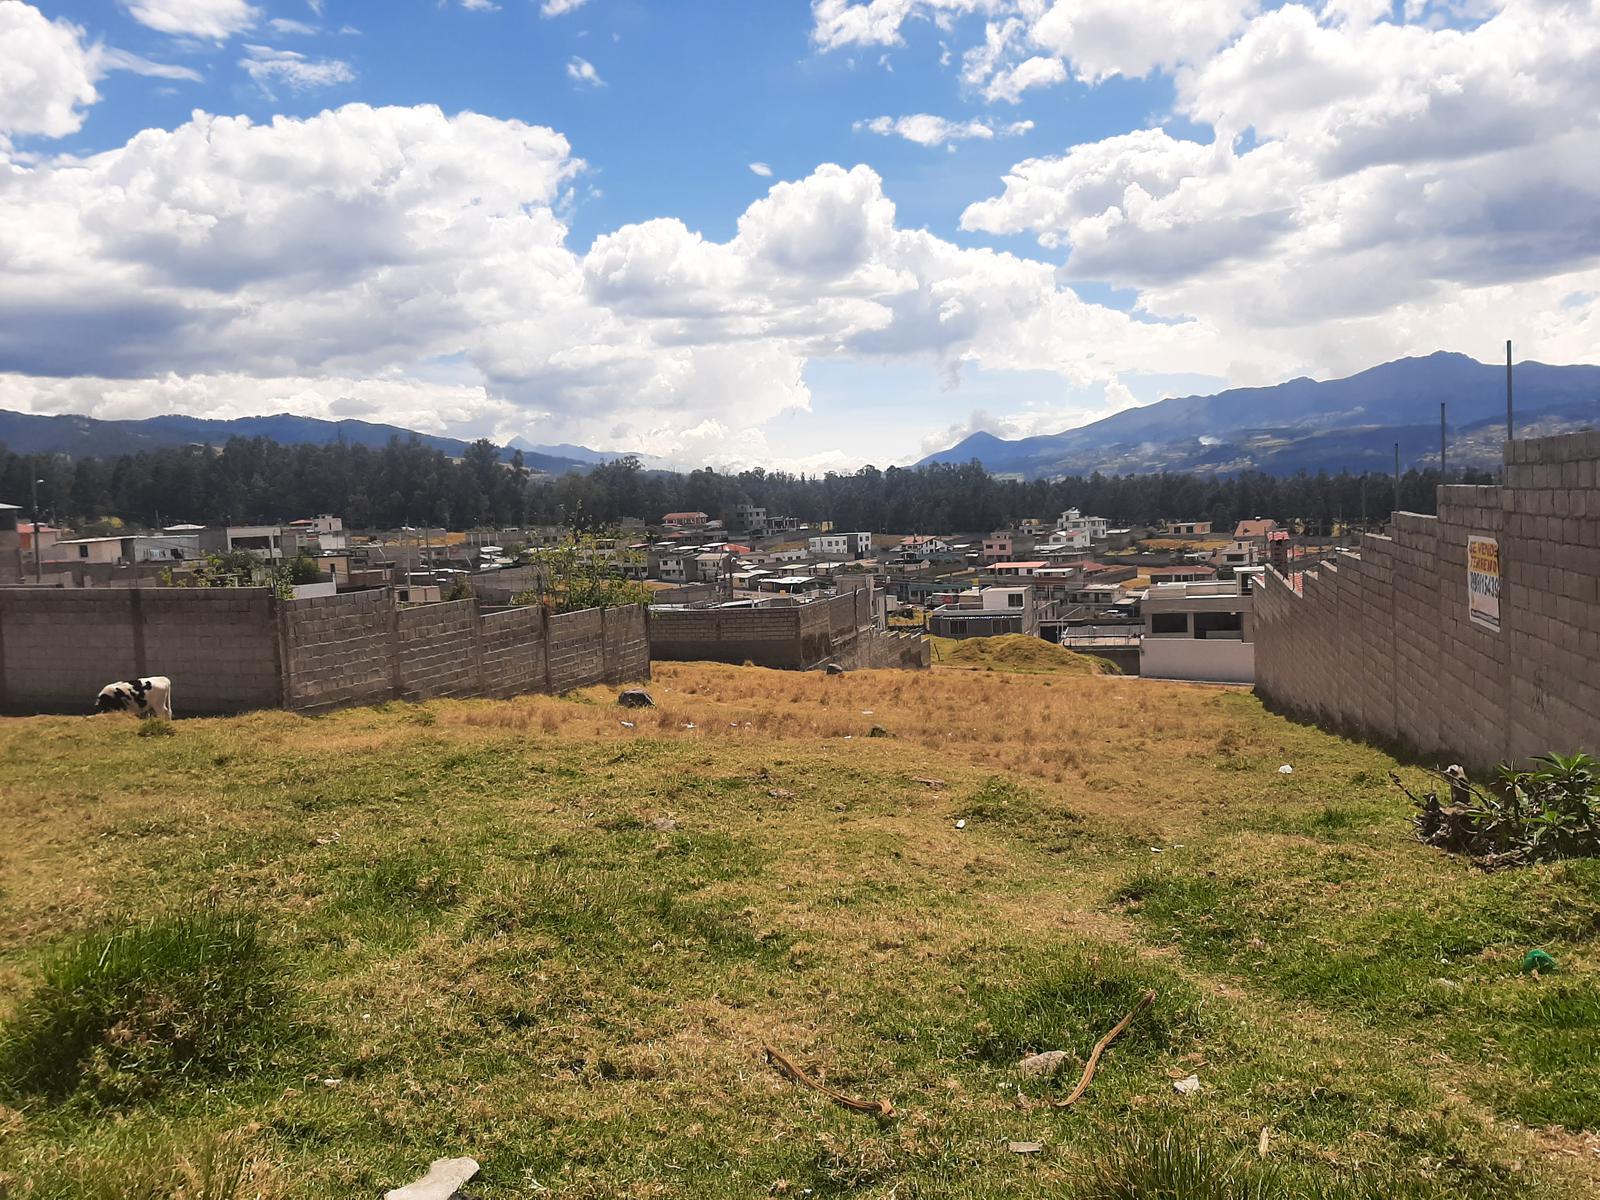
<point>38,552</point>
<point>1441,442</point>
<point>1509,425</point>
<point>1396,477</point>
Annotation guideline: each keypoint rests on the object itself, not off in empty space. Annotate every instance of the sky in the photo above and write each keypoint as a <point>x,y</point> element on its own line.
<point>800,234</point>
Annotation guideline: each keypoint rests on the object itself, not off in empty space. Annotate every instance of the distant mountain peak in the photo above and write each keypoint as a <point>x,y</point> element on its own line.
<point>90,437</point>
<point>1307,424</point>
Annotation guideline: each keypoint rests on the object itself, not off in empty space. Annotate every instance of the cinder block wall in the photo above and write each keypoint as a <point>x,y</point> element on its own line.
<point>358,648</point>
<point>512,652</point>
<point>230,650</point>
<point>59,647</point>
<point>339,650</point>
<point>801,637</point>
<point>767,637</point>
<point>1380,644</point>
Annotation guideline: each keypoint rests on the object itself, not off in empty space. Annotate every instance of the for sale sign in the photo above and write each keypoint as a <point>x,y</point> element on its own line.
<point>1483,581</point>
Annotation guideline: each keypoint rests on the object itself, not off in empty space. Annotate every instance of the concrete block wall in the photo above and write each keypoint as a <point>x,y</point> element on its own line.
<point>359,648</point>
<point>221,643</point>
<point>799,637</point>
<point>437,651</point>
<point>339,650</point>
<point>231,650</point>
<point>576,649</point>
<point>627,644</point>
<point>512,651</point>
<point>767,637</point>
<point>874,649</point>
<point>59,647</point>
<point>1380,644</point>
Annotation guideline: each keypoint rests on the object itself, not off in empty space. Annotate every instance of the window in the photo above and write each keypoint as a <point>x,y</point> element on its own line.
<point>1169,623</point>
<point>1015,600</point>
<point>1218,624</point>
<point>83,552</point>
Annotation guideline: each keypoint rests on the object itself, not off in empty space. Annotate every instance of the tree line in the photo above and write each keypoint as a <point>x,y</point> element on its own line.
<point>256,480</point>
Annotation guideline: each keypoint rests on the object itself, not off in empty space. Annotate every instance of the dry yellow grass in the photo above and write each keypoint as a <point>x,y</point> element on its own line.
<point>555,933</point>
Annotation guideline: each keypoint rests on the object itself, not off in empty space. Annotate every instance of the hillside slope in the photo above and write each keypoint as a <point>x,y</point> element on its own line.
<point>1305,424</point>
<point>556,935</point>
<point>84,437</point>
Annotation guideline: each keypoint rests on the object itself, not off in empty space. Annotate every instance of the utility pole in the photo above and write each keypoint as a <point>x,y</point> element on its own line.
<point>1396,477</point>
<point>1441,441</point>
<point>1510,428</point>
<point>38,551</point>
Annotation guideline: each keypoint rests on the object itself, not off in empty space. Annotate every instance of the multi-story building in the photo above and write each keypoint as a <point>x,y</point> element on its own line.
<point>1257,530</point>
<point>10,544</point>
<point>1201,631</point>
<point>685,520</point>
<point>1072,521</point>
<point>840,545</point>
<point>1237,554</point>
<point>987,612</point>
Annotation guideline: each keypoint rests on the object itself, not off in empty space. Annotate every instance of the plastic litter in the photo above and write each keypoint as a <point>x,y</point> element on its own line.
<point>1537,962</point>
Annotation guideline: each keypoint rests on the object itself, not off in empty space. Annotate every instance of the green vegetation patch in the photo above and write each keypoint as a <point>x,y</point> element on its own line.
<point>1436,957</point>
<point>1179,1164</point>
<point>118,1014</point>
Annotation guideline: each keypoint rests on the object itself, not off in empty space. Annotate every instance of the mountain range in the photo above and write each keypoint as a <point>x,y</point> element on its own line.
<point>1307,424</point>
<point>1302,424</point>
<point>90,437</point>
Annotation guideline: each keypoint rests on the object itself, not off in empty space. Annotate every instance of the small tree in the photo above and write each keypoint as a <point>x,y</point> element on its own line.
<point>580,573</point>
<point>304,569</point>
<point>237,568</point>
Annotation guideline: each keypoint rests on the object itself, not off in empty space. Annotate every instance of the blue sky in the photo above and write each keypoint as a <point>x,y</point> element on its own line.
<point>1046,209</point>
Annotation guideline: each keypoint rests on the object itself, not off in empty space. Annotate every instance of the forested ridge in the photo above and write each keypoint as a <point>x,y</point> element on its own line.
<point>252,480</point>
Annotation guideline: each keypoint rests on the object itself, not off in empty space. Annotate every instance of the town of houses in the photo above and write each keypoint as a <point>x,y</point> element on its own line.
<point>1172,601</point>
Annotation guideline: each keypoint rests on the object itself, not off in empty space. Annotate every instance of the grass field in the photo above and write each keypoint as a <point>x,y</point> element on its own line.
<point>302,957</point>
<point>1016,653</point>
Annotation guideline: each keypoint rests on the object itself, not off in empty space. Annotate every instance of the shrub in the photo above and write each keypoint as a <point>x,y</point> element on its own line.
<point>119,1013</point>
<point>1546,812</point>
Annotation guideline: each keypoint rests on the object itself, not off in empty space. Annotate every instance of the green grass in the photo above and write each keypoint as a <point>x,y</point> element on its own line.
<point>119,1013</point>
<point>522,931</point>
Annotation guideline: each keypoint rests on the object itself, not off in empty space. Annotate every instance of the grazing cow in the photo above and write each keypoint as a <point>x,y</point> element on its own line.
<point>150,697</point>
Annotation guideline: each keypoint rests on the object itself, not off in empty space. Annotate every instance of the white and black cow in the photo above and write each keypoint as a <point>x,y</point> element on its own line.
<point>150,697</point>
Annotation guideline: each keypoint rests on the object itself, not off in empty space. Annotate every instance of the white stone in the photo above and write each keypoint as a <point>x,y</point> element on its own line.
<point>444,1177</point>
<point>1047,1063</point>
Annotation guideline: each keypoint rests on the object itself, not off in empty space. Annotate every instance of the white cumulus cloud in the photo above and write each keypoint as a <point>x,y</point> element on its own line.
<point>214,20</point>
<point>558,8</point>
<point>581,70</point>
<point>926,129</point>
<point>288,68</point>
<point>47,73</point>
<point>1400,183</point>
<point>363,244</point>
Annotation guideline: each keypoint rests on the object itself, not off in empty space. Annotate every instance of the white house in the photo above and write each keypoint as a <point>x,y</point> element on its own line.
<point>1073,521</point>
<point>1065,539</point>
<point>840,545</point>
<point>1200,631</point>
<point>986,612</point>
